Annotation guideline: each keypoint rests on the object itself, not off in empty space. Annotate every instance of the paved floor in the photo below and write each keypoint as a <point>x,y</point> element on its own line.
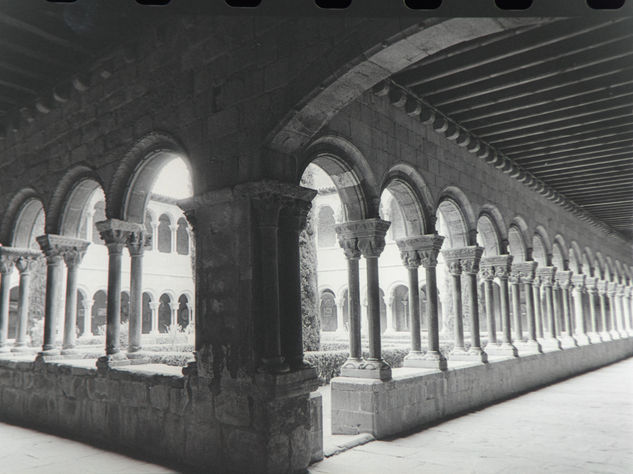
<point>582,425</point>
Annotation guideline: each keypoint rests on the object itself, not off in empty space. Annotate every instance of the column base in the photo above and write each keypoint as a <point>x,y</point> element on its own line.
<point>22,348</point>
<point>551,344</point>
<point>457,353</point>
<point>606,336</point>
<point>567,342</point>
<point>367,369</point>
<point>530,347</point>
<point>583,339</point>
<point>429,360</point>
<point>472,355</point>
<point>505,349</point>
<point>69,351</point>
<point>48,355</point>
<point>109,361</point>
<point>615,335</point>
<point>5,348</point>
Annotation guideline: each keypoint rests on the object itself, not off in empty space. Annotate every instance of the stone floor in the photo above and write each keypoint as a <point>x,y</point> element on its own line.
<point>582,425</point>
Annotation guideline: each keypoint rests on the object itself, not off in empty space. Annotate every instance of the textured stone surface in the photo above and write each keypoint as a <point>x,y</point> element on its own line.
<point>581,425</point>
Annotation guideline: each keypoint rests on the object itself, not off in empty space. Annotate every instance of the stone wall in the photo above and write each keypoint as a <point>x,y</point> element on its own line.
<point>417,397</point>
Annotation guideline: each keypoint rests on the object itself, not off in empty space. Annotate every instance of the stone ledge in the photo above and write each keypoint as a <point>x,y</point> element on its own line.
<point>417,397</point>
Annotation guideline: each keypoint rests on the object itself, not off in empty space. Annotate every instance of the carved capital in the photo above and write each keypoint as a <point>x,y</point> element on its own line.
<point>6,264</point>
<point>58,247</point>
<point>410,259</point>
<point>564,278</point>
<point>591,283</point>
<point>547,275</point>
<point>499,265</point>
<point>369,235</point>
<point>579,281</point>
<point>524,272</point>
<point>426,246</point>
<point>619,290</point>
<point>137,242</point>
<point>465,259</point>
<point>294,212</point>
<point>115,233</point>
<point>602,287</point>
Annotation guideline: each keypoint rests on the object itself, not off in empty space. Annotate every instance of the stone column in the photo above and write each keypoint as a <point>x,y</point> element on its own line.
<point>500,265</point>
<point>73,255</point>
<point>627,309</point>
<point>613,317</point>
<point>54,283</point>
<point>349,243</point>
<point>515,295</point>
<point>115,234</point>
<point>592,290</point>
<point>174,237</point>
<point>136,244</point>
<point>340,315</point>
<point>559,323</point>
<point>154,236</point>
<point>538,313</point>
<point>551,341</point>
<point>24,263</point>
<point>620,295</point>
<point>412,262</point>
<point>581,329</point>
<point>390,326</point>
<point>371,243</point>
<point>267,207</point>
<point>606,334</point>
<point>465,260</point>
<point>563,282</point>
<point>87,332</point>
<point>153,307</point>
<point>6,267</point>
<point>488,276</point>
<point>451,257</point>
<point>425,249</point>
<point>525,272</point>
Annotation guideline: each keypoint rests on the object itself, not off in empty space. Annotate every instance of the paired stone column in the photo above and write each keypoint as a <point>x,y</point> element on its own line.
<point>465,261</point>
<point>613,311</point>
<point>538,306</point>
<point>116,234</point>
<point>524,272</point>
<point>7,260</point>
<point>499,266</point>
<point>563,283</point>
<point>606,334</point>
<point>292,221</point>
<point>425,249</point>
<point>622,319</point>
<point>488,276</point>
<point>547,276</point>
<point>153,307</point>
<point>628,292</point>
<point>54,284</point>
<point>73,252</point>
<point>515,294</point>
<point>24,264</point>
<point>136,244</point>
<point>412,261</point>
<point>340,315</point>
<point>579,309</point>
<point>592,290</point>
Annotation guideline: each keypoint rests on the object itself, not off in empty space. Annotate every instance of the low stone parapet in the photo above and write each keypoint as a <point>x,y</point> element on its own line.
<point>417,397</point>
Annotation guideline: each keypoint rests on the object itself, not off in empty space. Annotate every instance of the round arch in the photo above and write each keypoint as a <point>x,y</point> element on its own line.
<point>600,265</point>
<point>131,185</point>
<point>349,171</point>
<point>413,196</point>
<point>489,234</point>
<point>12,211</point>
<point>609,269</point>
<point>576,259</point>
<point>30,222</point>
<point>589,262</point>
<point>455,209</point>
<point>560,254</point>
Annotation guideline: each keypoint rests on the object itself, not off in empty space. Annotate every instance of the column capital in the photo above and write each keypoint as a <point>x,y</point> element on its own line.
<point>497,265</point>
<point>591,284</point>
<point>137,242</point>
<point>466,258</point>
<point>115,233</point>
<point>369,235</point>
<point>58,247</point>
<point>547,275</point>
<point>578,281</point>
<point>426,247</point>
<point>24,262</point>
<point>564,278</point>
<point>611,288</point>
<point>294,210</point>
<point>10,256</point>
<point>524,272</point>
<point>620,289</point>
<point>602,287</point>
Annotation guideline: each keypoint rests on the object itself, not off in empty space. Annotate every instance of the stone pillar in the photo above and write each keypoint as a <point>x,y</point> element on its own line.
<point>488,276</point>
<point>538,313</point>
<point>174,237</point>
<point>620,296</point>
<point>465,260</point>
<point>425,249</point>
<point>6,267</point>
<point>579,310</point>
<point>563,282</point>
<point>267,207</point>
<point>547,277</point>
<point>73,255</point>
<point>54,283</point>
<point>340,315</point>
<point>592,290</point>
<point>559,323</point>
<point>499,266</point>
<point>515,295</point>
<point>154,238</point>
<point>87,332</point>
<point>605,334</point>
<point>371,243</point>
<point>115,234</point>
<point>137,243</point>
<point>293,219</point>
<point>412,262</point>
<point>613,316</point>
<point>524,272</point>
<point>153,307</point>
<point>626,301</point>
<point>24,263</point>
<point>390,326</point>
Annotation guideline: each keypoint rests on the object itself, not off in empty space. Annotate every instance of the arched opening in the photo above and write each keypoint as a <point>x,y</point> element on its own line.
<point>164,234</point>
<point>98,319</point>
<point>184,311</point>
<point>146,318</point>
<point>13,312</point>
<point>326,236</point>
<point>400,308</point>
<point>182,237</point>
<point>328,311</point>
<point>164,313</point>
<point>125,307</point>
<point>29,224</point>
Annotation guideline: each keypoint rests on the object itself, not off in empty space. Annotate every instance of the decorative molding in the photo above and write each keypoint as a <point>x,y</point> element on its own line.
<point>497,265</point>
<point>369,235</point>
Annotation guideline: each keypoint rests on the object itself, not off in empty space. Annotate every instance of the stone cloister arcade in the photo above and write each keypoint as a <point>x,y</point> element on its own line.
<point>248,113</point>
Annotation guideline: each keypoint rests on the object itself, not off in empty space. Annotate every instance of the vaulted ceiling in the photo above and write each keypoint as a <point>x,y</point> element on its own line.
<point>557,99</point>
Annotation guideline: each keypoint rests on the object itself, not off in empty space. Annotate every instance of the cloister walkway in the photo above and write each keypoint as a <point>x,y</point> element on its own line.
<point>583,425</point>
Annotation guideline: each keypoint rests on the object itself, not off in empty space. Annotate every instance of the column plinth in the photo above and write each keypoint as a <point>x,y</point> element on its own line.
<point>427,248</point>
<point>499,266</point>
<point>551,342</point>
